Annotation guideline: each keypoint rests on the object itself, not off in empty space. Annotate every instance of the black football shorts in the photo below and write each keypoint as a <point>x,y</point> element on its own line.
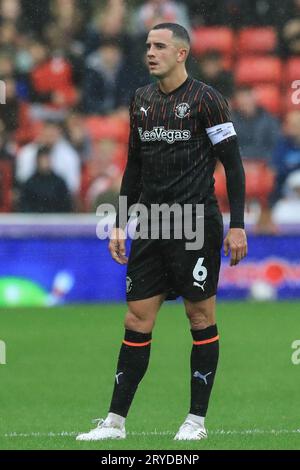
<point>166,266</point>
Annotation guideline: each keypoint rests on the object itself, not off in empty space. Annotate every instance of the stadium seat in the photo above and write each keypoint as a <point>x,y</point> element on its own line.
<point>217,38</point>
<point>29,129</point>
<point>259,180</point>
<point>258,70</point>
<point>259,183</point>
<point>256,41</point>
<point>269,97</point>
<point>107,127</point>
<point>5,186</point>
<point>292,70</point>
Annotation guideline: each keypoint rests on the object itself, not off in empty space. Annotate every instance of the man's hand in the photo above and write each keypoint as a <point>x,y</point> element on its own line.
<point>117,246</point>
<point>236,243</point>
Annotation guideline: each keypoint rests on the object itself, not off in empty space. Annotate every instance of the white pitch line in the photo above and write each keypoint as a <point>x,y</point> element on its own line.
<point>216,432</point>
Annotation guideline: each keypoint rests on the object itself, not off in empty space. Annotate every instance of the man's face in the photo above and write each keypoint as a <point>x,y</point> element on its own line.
<point>292,125</point>
<point>246,101</point>
<point>44,164</point>
<point>111,56</point>
<point>50,134</point>
<point>211,67</point>
<point>164,53</point>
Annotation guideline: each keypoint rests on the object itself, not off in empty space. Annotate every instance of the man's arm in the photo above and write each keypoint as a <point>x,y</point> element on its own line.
<point>219,128</point>
<point>130,188</point>
<point>228,153</point>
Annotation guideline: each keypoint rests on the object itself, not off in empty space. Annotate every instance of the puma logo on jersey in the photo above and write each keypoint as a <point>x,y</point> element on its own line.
<point>199,285</point>
<point>145,111</point>
<point>168,135</point>
<point>198,375</point>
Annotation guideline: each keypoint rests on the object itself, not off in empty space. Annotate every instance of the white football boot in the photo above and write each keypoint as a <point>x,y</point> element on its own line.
<point>191,431</point>
<point>106,429</point>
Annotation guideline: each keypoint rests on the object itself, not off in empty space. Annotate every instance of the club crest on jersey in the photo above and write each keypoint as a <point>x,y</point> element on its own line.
<point>182,110</point>
<point>128,284</point>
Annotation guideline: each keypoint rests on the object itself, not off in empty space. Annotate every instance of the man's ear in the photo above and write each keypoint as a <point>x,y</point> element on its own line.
<point>182,54</point>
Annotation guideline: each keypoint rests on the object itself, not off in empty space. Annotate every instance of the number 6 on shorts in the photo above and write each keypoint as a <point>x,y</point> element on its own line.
<point>200,271</point>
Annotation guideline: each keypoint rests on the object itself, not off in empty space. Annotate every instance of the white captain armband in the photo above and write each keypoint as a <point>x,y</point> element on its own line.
<point>220,132</point>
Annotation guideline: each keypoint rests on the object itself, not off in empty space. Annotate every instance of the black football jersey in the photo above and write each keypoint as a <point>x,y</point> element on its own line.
<point>170,145</point>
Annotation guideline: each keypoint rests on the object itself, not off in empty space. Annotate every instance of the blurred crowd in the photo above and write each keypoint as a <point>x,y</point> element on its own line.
<point>70,68</point>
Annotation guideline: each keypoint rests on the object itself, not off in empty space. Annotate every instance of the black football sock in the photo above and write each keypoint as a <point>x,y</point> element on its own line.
<point>204,360</point>
<point>132,365</point>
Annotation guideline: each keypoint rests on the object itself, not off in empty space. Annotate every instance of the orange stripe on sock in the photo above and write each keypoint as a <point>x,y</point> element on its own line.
<point>206,341</point>
<point>137,344</point>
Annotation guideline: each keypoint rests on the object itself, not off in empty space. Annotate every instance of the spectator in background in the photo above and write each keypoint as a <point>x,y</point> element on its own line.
<point>258,132</point>
<point>66,32</point>
<point>65,161</point>
<point>153,12</point>
<point>78,136</point>
<point>211,71</point>
<point>7,68</point>
<point>214,12</point>
<point>35,15</point>
<point>103,173</point>
<point>290,37</point>
<point>67,16</point>
<point>287,210</point>
<point>10,10</point>
<point>10,112</point>
<point>70,48</point>
<point>44,191</point>
<point>7,147</point>
<point>262,12</point>
<point>236,13</point>
<point>257,128</point>
<point>286,156</point>
<point>107,85</point>
<point>8,38</point>
<point>109,23</point>
<point>51,80</point>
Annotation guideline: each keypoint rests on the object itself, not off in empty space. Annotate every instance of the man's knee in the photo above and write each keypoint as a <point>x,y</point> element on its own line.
<point>201,314</point>
<point>137,321</point>
<point>141,314</point>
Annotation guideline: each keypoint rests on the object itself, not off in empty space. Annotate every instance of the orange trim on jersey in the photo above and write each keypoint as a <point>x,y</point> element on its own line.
<point>206,341</point>
<point>137,344</point>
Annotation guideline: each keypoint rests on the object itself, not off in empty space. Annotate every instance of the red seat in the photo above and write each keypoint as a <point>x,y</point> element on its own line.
<point>292,70</point>
<point>259,183</point>
<point>107,127</point>
<point>28,129</point>
<point>257,70</point>
<point>5,186</point>
<point>259,180</point>
<point>256,41</point>
<point>269,97</point>
<point>217,38</point>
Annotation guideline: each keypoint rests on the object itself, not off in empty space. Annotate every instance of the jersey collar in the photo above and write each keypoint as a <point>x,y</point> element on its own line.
<point>173,92</point>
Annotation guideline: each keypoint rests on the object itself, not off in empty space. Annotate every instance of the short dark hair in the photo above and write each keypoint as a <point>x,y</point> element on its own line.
<point>53,122</point>
<point>244,88</point>
<point>109,41</point>
<point>43,150</point>
<point>212,54</point>
<point>178,31</point>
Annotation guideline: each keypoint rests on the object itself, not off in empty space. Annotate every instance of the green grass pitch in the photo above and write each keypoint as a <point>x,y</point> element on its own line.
<point>60,371</point>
